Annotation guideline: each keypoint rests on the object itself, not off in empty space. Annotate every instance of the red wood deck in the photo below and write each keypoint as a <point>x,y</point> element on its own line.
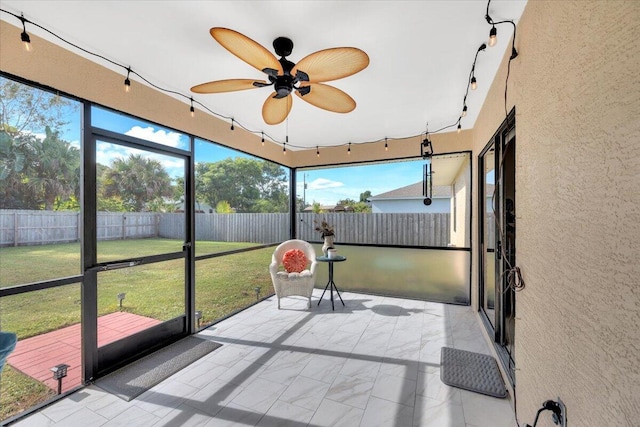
<point>35,356</point>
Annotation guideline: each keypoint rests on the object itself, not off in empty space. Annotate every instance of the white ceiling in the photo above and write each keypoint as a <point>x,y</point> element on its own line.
<point>421,54</point>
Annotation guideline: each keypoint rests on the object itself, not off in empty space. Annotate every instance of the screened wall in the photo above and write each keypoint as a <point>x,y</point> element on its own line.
<point>395,243</point>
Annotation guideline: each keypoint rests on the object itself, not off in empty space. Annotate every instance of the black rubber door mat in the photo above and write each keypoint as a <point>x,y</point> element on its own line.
<point>132,380</point>
<point>471,371</point>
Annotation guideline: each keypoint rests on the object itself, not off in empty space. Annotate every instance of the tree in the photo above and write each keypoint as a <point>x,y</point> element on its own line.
<point>27,109</point>
<point>248,185</point>
<point>137,181</point>
<point>56,172</point>
<point>364,196</point>
<point>223,207</point>
<point>360,207</point>
<point>17,151</point>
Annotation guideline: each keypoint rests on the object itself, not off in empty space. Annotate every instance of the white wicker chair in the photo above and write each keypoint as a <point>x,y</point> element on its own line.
<point>287,284</point>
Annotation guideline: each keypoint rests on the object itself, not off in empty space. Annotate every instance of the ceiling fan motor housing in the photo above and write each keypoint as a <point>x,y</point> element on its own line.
<point>283,85</point>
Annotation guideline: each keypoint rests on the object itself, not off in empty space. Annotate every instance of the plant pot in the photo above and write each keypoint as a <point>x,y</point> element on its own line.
<point>328,243</point>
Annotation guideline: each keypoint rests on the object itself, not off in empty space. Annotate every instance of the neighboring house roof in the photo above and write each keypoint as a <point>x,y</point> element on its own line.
<point>414,191</point>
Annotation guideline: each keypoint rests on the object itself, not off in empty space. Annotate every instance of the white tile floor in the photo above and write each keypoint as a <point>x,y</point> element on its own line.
<point>374,362</point>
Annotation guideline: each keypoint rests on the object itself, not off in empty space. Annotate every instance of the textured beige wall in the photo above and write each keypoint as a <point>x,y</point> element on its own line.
<point>576,90</point>
<point>63,70</point>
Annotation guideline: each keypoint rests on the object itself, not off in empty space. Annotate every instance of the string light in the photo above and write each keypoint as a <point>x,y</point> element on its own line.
<point>127,82</point>
<point>386,146</point>
<point>459,127</point>
<point>472,83</point>
<point>317,151</point>
<point>192,110</point>
<point>24,36</point>
<point>349,150</point>
<point>284,149</point>
<point>493,36</point>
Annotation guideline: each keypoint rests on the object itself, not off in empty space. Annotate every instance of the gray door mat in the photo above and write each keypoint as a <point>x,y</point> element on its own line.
<point>132,380</point>
<point>471,371</point>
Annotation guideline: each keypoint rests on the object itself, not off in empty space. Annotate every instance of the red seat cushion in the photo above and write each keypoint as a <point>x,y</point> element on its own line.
<point>294,261</point>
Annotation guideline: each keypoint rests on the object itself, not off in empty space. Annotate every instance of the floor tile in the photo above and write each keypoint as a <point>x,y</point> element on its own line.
<point>305,392</point>
<point>487,411</point>
<point>436,413</point>
<point>335,414</point>
<point>259,395</point>
<point>283,414</point>
<point>350,391</point>
<point>375,362</point>
<point>395,389</point>
<point>131,417</point>
<point>380,412</point>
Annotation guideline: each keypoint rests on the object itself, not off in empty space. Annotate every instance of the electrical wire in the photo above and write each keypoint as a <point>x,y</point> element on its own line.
<point>222,116</point>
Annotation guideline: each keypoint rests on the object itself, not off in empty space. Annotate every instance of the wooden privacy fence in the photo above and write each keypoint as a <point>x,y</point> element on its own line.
<point>23,227</point>
<point>404,229</point>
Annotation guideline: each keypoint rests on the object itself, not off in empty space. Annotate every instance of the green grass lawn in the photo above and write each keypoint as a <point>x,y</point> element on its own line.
<point>156,290</point>
<point>19,392</point>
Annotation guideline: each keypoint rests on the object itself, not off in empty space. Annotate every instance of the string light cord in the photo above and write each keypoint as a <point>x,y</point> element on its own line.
<point>514,52</point>
<point>192,101</point>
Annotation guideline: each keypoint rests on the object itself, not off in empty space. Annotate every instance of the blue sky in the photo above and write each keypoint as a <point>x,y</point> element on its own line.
<point>324,185</point>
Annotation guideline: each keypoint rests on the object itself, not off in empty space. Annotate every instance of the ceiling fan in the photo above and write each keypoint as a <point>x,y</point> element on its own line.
<point>304,78</point>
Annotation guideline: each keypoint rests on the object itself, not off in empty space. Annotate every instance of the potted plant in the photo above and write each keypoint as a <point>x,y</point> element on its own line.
<point>326,231</point>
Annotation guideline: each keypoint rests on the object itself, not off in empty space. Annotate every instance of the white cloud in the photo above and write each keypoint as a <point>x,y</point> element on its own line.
<point>172,139</point>
<point>323,184</point>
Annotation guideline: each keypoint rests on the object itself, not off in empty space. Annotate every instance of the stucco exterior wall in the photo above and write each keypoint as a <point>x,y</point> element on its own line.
<point>576,90</point>
<point>461,213</point>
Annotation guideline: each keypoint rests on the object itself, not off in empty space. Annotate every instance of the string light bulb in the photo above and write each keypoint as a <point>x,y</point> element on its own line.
<point>318,151</point>
<point>262,138</point>
<point>493,36</point>
<point>459,127</point>
<point>192,110</point>
<point>284,149</point>
<point>386,146</point>
<point>464,110</point>
<point>232,122</point>
<point>474,83</point>
<point>24,36</point>
<point>349,150</point>
<point>127,82</point>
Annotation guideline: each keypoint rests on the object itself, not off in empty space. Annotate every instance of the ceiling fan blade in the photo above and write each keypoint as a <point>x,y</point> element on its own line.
<point>251,52</point>
<point>332,64</point>
<point>328,98</point>
<point>231,85</point>
<point>275,110</point>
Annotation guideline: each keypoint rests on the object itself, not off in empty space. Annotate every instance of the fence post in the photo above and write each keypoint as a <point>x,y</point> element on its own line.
<point>79,227</point>
<point>15,228</point>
